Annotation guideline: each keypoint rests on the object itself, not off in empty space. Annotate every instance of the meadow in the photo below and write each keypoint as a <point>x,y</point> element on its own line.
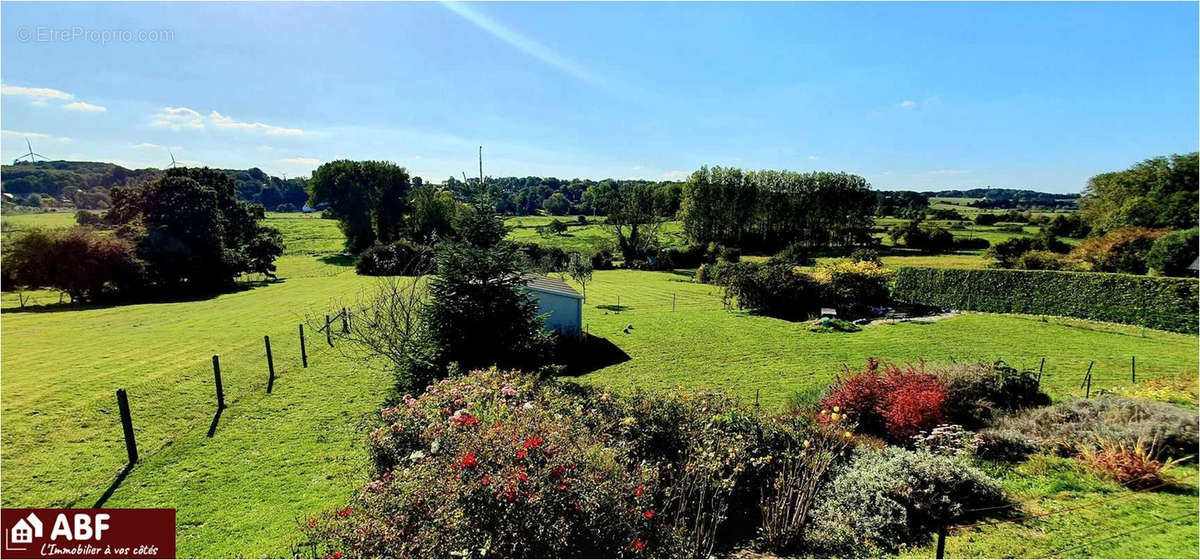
<point>273,459</point>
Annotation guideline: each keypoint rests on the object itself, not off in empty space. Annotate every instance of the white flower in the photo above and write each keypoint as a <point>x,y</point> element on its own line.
<point>416,455</point>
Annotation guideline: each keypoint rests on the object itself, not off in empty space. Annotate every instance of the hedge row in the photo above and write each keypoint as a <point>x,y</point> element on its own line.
<point>1159,303</point>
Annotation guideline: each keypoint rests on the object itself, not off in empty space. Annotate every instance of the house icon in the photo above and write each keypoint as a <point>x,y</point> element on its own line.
<point>26,529</point>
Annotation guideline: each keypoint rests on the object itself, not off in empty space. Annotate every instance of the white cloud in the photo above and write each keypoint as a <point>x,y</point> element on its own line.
<point>949,172</point>
<point>17,134</point>
<point>146,146</point>
<point>84,107</point>
<point>178,118</point>
<point>264,148</point>
<point>813,158</point>
<point>221,121</point>
<point>43,96</point>
<point>674,175</point>
<point>302,161</point>
<point>908,104</point>
<point>36,94</point>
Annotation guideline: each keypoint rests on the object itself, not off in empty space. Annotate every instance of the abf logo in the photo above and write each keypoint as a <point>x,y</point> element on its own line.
<point>79,527</point>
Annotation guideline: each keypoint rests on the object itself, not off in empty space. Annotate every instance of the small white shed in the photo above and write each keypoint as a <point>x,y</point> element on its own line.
<point>562,305</point>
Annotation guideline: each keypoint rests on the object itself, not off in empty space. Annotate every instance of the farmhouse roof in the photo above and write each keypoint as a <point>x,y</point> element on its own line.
<point>1195,264</point>
<point>551,285</point>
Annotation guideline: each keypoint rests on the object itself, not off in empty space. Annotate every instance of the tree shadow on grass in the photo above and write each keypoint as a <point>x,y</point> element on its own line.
<point>150,298</point>
<point>340,259</point>
<point>588,354</point>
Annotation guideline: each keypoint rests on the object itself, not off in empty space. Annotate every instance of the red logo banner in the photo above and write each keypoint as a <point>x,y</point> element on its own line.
<point>88,533</point>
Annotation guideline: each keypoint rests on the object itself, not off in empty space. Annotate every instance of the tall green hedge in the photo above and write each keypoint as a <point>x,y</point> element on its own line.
<point>1160,303</point>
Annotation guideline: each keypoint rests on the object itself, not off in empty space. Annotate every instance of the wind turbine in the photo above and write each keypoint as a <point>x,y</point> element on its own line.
<point>31,155</point>
<point>174,163</point>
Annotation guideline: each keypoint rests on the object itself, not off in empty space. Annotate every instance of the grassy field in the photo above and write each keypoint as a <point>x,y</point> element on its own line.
<point>700,345</point>
<point>272,458</point>
<point>276,458</point>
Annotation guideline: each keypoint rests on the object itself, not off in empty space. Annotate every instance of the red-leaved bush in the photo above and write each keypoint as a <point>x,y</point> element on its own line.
<point>895,404</point>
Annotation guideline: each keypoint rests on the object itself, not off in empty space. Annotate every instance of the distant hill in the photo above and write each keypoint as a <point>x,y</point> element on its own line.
<point>1012,198</point>
<point>86,184</point>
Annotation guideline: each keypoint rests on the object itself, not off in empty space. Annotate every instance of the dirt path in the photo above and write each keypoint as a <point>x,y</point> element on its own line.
<point>925,319</point>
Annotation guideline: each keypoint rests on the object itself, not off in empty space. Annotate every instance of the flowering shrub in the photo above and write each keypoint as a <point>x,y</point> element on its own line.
<point>504,464</point>
<point>948,439</point>
<point>895,405</point>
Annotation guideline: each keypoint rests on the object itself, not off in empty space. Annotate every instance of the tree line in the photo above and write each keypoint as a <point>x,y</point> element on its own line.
<point>772,209</point>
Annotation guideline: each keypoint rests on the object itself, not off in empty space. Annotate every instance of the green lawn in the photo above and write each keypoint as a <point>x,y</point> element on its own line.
<point>702,346</point>
<point>1098,519</point>
<point>12,223</point>
<point>276,458</point>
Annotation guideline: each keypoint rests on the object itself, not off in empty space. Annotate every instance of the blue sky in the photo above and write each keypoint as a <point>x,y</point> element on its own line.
<point>922,96</point>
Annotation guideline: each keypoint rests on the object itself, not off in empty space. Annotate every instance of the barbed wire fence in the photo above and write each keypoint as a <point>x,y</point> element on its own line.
<point>258,372</point>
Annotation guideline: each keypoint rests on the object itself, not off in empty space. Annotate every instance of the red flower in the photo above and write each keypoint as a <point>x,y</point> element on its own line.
<point>521,454</point>
<point>522,477</point>
<point>312,522</point>
<point>487,479</point>
<point>337,554</point>
<point>558,471</point>
<point>464,419</point>
<point>637,492</point>
<point>345,512</point>
<point>468,461</point>
<point>532,443</point>
<point>649,514</point>
<point>637,545</point>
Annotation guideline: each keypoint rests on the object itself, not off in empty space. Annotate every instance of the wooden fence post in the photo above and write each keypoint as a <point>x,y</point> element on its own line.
<point>270,365</point>
<point>303,352</point>
<point>217,376</point>
<point>1133,369</point>
<point>328,332</point>
<point>941,543</point>
<point>1039,377</point>
<point>1087,380</point>
<point>345,322</point>
<point>127,425</point>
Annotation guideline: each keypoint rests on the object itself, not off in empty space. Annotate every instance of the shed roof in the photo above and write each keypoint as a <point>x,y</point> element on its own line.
<point>1195,264</point>
<point>550,285</point>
